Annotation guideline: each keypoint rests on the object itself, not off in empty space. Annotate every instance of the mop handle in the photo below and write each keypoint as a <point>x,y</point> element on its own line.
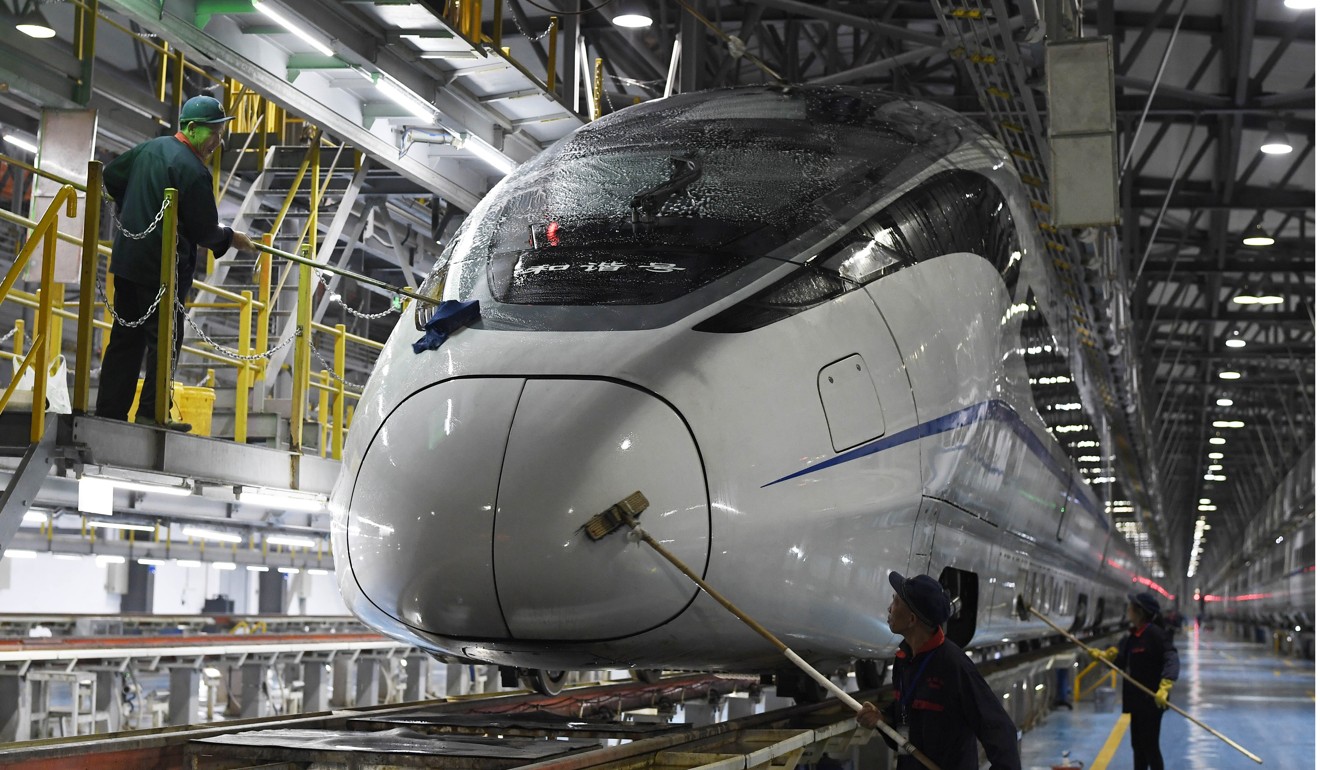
<point>1146,689</point>
<point>806,667</point>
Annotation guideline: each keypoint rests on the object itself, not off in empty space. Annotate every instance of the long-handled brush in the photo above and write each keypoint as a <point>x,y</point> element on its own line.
<point>1024,610</point>
<point>625,513</point>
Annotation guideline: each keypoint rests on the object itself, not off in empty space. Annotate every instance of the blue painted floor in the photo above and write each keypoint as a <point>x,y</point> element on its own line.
<point>1263,702</point>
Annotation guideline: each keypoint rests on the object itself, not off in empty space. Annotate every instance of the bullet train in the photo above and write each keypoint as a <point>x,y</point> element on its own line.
<point>791,318</point>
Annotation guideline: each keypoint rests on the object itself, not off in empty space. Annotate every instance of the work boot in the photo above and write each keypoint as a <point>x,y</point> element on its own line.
<point>182,427</point>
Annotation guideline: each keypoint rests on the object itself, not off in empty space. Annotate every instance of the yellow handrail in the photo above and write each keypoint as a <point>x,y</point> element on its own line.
<point>1106,673</point>
<point>38,356</point>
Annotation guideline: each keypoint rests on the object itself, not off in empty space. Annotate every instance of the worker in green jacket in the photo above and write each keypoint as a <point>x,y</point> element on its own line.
<point>137,181</point>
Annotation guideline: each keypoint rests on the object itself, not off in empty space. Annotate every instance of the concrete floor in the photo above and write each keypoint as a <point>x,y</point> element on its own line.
<point>1263,702</point>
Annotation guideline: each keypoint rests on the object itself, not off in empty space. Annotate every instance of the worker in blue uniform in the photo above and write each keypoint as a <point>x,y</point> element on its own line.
<point>1147,655</point>
<point>137,181</point>
<point>941,702</point>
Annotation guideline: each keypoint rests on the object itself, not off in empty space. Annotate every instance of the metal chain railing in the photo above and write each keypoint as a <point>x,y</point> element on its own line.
<point>335,298</point>
<point>528,35</point>
<point>328,367</point>
<point>105,196</point>
<point>233,354</point>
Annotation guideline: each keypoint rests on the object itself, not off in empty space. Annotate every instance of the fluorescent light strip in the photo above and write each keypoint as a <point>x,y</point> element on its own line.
<point>405,98</point>
<point>318,571</point>
<point>105,559</point>
<point>491,156</point>
<point>117,525</point>
<point>140,486</point>
<point>291,541</point>
<point>289,570</point>
<point>16,553</point>
<point>256,568</point>
<point>187,562</point>
<point>21,143</point>
<point>288,24</point>
<point>282,502</point>
<point>153,562</point>
<point>210,534</point>
<point>224,566</point>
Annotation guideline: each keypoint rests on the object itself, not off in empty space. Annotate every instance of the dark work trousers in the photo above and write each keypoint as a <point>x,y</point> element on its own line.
<point>123,356</point>
<point>1145,728</point>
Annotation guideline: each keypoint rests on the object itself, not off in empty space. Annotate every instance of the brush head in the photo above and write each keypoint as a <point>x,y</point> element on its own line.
<point>623,512</point>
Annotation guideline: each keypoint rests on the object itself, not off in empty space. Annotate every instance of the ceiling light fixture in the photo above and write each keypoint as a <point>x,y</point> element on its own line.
<point>1276,141</point>
<point>631,14</point>
<point>1300,5</point>
<point>1230,375</point>
<point>1218,440</point>
<point>1216,455</point>
<point>15,553</point>
<point>1257,236</point>
<point>1224,402</point>
<point>288,24</point>
<point>32,22</point>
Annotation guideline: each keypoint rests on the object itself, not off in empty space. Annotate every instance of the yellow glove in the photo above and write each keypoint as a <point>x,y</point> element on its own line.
<point>1162,694</point>
<point>1108,654</point>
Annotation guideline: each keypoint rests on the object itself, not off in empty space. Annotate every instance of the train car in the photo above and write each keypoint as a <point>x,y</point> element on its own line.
<point>792,318</point>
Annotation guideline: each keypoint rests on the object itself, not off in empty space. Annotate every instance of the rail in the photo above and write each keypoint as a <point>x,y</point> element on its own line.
<point>329,390</point>
<point>1080,692</point>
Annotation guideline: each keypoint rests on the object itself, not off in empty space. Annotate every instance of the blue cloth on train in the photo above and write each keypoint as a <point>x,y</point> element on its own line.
<point>451,316</point>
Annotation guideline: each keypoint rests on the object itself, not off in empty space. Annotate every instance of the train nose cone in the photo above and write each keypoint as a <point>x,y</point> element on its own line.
<point>465,518</point>
<point>575,448</point>
<point>423,508</point>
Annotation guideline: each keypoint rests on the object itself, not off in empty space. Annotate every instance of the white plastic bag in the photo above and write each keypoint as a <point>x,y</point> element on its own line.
<point>57,388</point>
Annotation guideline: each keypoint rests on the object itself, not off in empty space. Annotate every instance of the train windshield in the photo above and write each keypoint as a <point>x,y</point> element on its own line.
<point>662,200</point>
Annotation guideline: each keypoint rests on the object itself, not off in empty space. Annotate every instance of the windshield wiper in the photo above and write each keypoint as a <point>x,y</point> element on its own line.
<point>645,204</point>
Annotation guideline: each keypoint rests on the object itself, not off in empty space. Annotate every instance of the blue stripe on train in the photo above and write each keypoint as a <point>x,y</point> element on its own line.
<point>987,410</point>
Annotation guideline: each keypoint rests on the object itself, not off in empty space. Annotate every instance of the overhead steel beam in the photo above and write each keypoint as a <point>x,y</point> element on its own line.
<point>850,20</point>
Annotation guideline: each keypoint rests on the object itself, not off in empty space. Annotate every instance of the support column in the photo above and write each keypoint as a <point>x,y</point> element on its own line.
<point>109,696</point>
<point>419,670</point>
<point>367,688</point>
<point>15,708</point>
<point>183,695</point>
<point>313,676</point>
<point>344,680</point>
<point>252,701</point>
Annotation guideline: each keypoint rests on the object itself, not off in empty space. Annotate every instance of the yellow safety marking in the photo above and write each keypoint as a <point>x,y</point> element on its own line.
<point>1277,672</point>
<point>1020,155</point>
<point>984,58</point>
<point>1111,743</point>
<point>966,13</point>
<point>1032,180</point>
<point>1049,228</point>
<point>998,92</point>
<point>1311,694</point>
<point>1037,205</point>
<point>1055,246</point>
<point>1015,128</point>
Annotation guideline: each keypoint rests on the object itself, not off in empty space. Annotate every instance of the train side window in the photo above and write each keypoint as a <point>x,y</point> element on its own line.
<point>956,211</point>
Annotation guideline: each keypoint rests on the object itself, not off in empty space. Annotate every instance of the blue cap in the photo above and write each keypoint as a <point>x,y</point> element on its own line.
<point>924,596</point>
<point>1146,602</point>
<point>206,110</point>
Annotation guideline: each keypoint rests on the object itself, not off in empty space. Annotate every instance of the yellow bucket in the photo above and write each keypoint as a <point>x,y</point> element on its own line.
<point>191,405</point>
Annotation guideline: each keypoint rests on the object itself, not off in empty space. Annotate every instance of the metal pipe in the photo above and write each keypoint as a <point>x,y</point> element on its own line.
<point>301,358</point>
<point>1159,75</point>
<point>82,376</point>
<point>165,330</point>
<point>244,369</point>
<point>337,424</point>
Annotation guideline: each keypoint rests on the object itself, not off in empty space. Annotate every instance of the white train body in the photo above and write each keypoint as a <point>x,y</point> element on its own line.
<point>879,422</point>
